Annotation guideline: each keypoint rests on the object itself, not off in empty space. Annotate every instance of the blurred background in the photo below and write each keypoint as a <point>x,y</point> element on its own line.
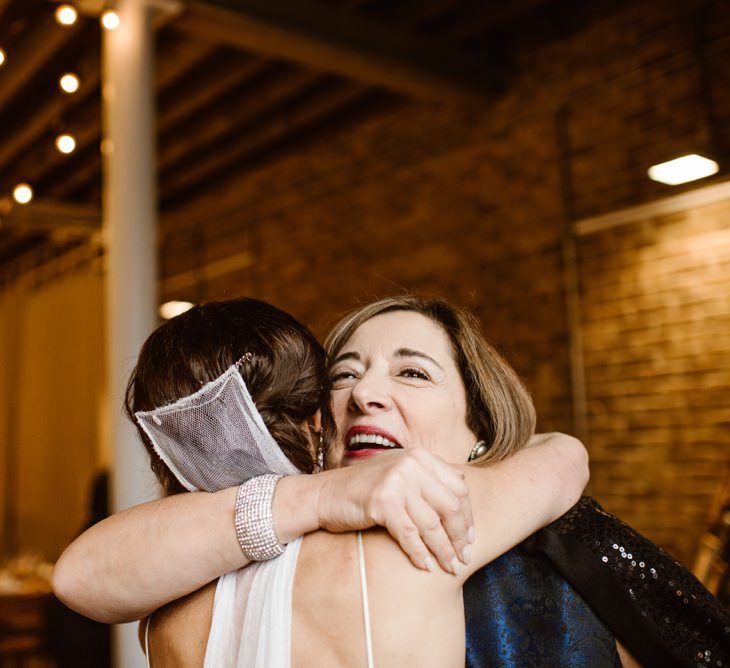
<point>510,156</point>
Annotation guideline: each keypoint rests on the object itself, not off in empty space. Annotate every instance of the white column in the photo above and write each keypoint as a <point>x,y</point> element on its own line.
<point>129,211</point>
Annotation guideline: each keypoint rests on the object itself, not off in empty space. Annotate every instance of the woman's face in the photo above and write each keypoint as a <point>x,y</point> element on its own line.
<point>396,385</point>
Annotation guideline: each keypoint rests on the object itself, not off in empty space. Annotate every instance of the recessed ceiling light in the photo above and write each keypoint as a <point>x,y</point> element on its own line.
<point>110,20</point>
<point>174,308</point>
<point>22,193</point>
<point>66,143</point>
<point>2,56</point>
<point>69,83</point>
<point>66,15</point>
<point>682,170</point>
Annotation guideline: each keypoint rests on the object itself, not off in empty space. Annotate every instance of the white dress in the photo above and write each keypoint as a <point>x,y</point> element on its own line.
<point>252,614</point>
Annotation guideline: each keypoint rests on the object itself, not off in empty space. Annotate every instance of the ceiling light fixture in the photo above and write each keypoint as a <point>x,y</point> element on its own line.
<point>2,57</point>
<point>66,15</point>
<point>683,170</point>
<point>22,193</point>
<point>66,143</point>
<point>110,20</point>
<point>174,308</point>
<point>69,83</point>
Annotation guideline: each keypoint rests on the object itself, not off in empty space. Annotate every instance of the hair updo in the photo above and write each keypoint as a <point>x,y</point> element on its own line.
<point>286,372</point>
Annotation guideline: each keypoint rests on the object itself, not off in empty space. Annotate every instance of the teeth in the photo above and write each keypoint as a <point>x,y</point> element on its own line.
<point>375,439</point>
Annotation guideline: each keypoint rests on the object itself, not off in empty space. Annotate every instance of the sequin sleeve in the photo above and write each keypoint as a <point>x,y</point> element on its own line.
<point>649,601</point>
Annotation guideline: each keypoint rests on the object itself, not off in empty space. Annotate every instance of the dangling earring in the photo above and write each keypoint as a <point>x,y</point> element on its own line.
<point>479,449</point>
<point>320,454</point>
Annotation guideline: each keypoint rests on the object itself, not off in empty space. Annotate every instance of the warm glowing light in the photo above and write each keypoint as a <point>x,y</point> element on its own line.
<point>66,143</point>
<point>66,15</point>
<point>2,57</point>
<point>174,308</point>
<point>69,83</point>
<point>22,193</point>
<point>682,170</point>
<point>110,20</point>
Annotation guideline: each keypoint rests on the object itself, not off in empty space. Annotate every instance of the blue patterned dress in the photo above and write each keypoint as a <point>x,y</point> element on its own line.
<point>564,596</point>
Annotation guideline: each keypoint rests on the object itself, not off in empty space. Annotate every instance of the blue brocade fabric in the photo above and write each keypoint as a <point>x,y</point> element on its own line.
<point>521,613</point>
<point>531,606</point>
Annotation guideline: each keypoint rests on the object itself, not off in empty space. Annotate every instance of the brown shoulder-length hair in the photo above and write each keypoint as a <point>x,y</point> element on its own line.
<point>286,375</point>
<point>499,409</point>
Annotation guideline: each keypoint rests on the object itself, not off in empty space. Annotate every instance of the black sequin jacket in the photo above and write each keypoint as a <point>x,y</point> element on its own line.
<point>649,601</point>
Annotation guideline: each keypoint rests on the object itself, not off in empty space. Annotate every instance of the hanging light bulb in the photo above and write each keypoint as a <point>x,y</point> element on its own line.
<point>66,143</point>
<point>174,308</point>
<point>69,83</point>
<point>2,57</point>
<point>110,20</point>
<point>22,193</point>
<point>66,15</point>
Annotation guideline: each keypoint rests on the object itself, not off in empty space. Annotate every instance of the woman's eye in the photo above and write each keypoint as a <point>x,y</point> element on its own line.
<point>414,373</point>
<point>342,375</point>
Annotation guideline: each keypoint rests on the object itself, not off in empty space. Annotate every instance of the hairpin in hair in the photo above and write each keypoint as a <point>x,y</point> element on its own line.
<point>246,358</point>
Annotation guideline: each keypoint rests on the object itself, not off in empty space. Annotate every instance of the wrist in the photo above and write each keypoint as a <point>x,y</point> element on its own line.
<point>295,506</point>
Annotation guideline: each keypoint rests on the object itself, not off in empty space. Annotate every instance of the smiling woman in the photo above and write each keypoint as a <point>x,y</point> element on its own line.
<point>448,380</point>
<point>413,396</point>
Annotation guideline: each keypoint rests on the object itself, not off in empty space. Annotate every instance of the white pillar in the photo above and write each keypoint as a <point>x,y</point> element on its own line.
<point>129,212</point>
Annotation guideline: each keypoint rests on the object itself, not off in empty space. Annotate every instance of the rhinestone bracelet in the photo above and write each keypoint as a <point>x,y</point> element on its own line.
<point>254,519</point>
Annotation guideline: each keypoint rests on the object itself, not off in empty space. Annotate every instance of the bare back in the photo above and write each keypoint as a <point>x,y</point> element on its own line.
<point>417,617</point>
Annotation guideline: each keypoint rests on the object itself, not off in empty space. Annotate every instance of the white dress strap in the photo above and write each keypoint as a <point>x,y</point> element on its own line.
<point>147,639</point>
<point>365,604</point>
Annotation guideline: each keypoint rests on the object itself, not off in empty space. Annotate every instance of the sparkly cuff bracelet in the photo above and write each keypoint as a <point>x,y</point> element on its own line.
<point>254,519</point>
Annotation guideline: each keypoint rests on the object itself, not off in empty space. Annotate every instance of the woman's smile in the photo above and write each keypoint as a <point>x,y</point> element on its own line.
<point>363,441</point>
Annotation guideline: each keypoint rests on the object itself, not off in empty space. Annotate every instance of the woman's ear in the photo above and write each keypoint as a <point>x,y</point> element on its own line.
<point>316,423</point>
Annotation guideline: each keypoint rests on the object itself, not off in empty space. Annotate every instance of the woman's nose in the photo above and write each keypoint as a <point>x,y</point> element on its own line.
<point>368,395</point>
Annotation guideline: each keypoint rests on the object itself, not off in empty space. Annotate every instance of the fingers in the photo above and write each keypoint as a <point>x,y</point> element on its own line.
<point>433,534</point>
<point>401,527</point>
<point>449,497</point>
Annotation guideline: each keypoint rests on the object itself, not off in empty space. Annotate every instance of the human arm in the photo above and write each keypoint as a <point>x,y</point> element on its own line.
<point>516,497</point>
<point>130,564</point>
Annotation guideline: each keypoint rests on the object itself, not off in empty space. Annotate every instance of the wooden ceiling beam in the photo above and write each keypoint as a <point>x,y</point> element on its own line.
<point>235,117</point>
<point>44,164</point>
<point>197,202</point>
<point>82,176</point>
<point>58,219</point>
<point>276,129</point>
<point>177,56</point>
<point>39,123</point>
<point>35,51</point>
<point>338,39</point>
<point>195,98</point>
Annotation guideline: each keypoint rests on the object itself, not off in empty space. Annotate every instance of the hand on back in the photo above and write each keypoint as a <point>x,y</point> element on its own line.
<point>419,498</point>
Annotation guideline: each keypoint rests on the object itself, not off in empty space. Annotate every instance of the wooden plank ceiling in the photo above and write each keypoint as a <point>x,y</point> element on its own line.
<point>239,83</point>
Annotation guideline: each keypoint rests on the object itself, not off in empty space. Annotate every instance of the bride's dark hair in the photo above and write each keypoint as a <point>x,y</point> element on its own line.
<point>286,374</point>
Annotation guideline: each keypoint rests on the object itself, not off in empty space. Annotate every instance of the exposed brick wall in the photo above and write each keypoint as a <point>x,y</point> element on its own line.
<point>656,328</point>
<point>470,204</point>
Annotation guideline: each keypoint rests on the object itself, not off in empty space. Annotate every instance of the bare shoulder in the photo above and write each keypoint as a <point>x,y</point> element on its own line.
<point>179,631</point>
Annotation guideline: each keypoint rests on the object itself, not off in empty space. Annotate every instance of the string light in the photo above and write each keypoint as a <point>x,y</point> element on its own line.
<point>174,308</point>
<point>66,15</point>
<point>2,57</point>
<point>110,20</point>
<point>69,83</point>
<point>22,193</point>
<point>66,143</point>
